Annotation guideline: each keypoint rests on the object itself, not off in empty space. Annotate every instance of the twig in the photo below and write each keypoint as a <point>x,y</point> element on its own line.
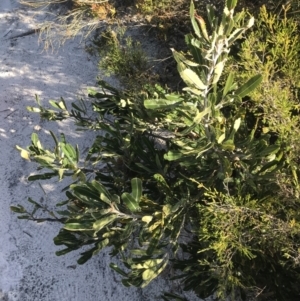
<point>24,34</point>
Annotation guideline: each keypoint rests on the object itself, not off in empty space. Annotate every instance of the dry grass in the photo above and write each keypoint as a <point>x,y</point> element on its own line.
<point>81,16</point>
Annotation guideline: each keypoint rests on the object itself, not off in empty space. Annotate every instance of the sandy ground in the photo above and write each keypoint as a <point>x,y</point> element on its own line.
<point>29,268</point>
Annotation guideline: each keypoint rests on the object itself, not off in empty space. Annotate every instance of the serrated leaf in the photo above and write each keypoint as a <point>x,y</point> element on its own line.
<point>181,58</point>
<point>130,202</point>
<point>190,77</point>
<point>249,86</point>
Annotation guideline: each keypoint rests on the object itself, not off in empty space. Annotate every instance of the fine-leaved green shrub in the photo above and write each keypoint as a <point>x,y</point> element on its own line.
<point>187,180</point>
<point>124,57</point>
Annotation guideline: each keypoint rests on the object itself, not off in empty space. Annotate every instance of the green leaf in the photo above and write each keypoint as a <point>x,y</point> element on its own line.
<point>84,226</point>
<point>85,191</point>
<point>118,270</point>
<point>271,149</point>
<point>66,238</point>
<point>77,108</point>
<point>218,71</point>
<point>143,167</point>
<point>100,245</point>
<point>130,202</point>
<point>30,200</point>
<point>136,185</point>
<point>228,145</point>
<point>19,209</point>
<point>202,24</point>
<point>33,109</point>
<point>61,173</point>
<point>35,140</point>
<point>24,217</point>
<point>24,153</point>
<point>163,184</point>
<point>64,251</point>
<point>101,223</point>
<point>173,155</point>
<point>193,21</point>
<point>181,58</point>
<point>231,4</point>
<point>150,274</point>
<point>69,152</point>
<point>105,199</point>
<point>147,264</point>
<point>221,138</point>
<point>155,238</point>
<point>56,142</point>
<point>86,256</point>
<point>45,176</point>
<point>58,105</point>
<point>104,194</point>
<point>190,77</point>
<point>237,124</point>
<point>200,115</point>
<point>173,297</point>
<point>160,104</point>
<point>249,86</point>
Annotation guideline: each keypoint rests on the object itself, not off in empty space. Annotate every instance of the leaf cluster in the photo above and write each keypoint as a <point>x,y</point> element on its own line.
<point>183,180</point>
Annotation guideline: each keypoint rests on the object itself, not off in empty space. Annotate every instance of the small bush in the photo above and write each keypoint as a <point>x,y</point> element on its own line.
<point>201,181</point>
<point>124,57</point>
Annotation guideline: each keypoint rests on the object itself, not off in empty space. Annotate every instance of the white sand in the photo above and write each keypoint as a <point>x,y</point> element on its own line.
<point>29,268</point>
